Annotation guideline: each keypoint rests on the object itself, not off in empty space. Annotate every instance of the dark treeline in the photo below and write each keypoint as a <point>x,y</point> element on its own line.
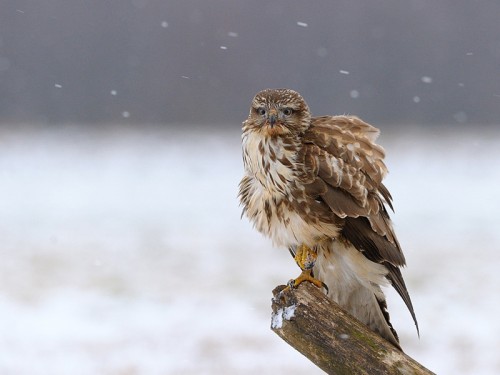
<point>199,61</point>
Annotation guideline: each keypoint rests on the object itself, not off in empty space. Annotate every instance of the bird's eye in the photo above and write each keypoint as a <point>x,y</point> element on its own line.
<point>261,111</point>
<point>287,111</point>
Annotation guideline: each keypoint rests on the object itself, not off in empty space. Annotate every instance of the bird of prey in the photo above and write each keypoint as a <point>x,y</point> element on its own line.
<point>314,185</point>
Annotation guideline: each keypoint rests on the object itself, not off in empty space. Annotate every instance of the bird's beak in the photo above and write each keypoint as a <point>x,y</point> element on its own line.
<point>272,117</point>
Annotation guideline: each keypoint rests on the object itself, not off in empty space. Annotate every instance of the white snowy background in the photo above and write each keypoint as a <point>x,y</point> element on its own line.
<point>122,252</point>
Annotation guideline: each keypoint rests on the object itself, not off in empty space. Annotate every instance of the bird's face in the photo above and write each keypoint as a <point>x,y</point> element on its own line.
<point>278,112</point>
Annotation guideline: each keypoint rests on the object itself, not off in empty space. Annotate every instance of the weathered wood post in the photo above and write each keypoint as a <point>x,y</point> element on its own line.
<point>331,338</point>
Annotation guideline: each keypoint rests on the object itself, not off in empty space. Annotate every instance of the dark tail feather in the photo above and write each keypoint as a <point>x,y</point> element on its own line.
<point>383,307</point>
<point>398,283</point>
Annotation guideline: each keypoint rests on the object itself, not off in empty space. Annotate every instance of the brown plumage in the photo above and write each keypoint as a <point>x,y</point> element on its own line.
<point>317,182</point>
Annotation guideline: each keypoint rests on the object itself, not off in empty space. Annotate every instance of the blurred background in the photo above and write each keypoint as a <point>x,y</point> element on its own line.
<point>122,247</point>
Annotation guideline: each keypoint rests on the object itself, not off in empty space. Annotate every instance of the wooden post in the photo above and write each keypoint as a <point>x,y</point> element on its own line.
<point>331,338</point>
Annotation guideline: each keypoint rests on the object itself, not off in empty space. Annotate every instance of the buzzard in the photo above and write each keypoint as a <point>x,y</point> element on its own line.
<point>314,186</point>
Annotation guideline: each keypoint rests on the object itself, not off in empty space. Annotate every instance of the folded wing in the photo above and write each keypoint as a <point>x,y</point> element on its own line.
<point>344,168</point>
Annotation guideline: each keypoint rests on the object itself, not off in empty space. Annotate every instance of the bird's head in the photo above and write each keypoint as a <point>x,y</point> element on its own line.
<point>278,112</point>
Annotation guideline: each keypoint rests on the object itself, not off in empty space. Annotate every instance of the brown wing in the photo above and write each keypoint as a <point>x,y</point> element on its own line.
<point>344,168</point>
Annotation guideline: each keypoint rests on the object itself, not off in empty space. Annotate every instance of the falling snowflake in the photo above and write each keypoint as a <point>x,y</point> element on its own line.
<point>354,94</point>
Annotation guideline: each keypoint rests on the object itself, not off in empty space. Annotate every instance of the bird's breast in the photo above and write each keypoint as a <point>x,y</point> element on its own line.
<point>276,201</point>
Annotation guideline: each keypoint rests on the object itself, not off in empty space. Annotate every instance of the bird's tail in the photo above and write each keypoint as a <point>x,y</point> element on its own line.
<point>354,283</point>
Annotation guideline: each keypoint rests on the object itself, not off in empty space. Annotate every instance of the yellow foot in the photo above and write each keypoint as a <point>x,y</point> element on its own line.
<point>305,275</point>
<point>305,258</point>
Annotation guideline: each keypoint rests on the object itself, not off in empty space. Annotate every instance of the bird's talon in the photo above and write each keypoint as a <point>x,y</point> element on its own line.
<point>326,287</point>
<point>306,276</point>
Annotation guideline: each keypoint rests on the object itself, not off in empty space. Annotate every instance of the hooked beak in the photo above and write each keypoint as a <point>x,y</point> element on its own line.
<point>272,118</point>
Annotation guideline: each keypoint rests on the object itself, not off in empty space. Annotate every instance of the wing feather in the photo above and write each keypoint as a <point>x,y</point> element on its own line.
<point>339,150</point>
<point>345,169</point>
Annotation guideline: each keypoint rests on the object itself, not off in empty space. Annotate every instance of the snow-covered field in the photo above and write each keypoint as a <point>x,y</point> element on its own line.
<point>122,252</point>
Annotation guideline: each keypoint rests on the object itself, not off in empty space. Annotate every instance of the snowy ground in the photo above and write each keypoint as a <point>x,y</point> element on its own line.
<point>123,253</point>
